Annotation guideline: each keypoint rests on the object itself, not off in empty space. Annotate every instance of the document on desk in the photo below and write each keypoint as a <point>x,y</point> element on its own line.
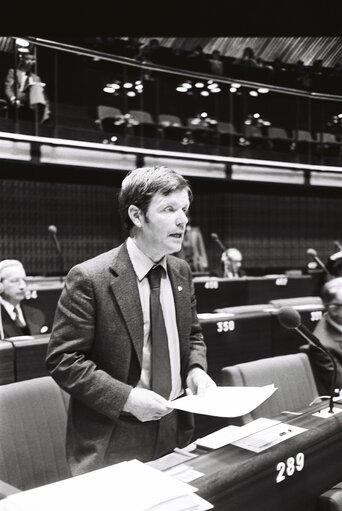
<point>127,486</point>
<point>225,401</point>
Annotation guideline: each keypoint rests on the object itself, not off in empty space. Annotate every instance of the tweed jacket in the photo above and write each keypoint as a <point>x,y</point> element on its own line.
<point>95,349</point>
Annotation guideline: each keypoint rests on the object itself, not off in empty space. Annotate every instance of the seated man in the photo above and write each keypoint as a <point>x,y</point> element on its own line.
<point>16,317</point>
<point>25,90</point>
<point>232,260</point>
<point>329,331</point>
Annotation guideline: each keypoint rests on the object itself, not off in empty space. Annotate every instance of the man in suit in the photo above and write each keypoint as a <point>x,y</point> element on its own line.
<point>16,317</point>
<point>232,261</point>
<point>329,331</point>
<point>103,347</point>
<point>24,90</point>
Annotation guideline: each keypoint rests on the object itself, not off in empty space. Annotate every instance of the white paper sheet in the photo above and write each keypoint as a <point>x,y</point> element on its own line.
<point>125,486</point>
<point>225,401</point>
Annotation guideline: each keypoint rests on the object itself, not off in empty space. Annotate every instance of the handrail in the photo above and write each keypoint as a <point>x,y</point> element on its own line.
<point>164,69</point>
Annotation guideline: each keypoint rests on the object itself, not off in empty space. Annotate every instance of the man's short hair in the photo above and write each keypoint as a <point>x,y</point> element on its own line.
<point>330,290</point>
<point>140,185</point>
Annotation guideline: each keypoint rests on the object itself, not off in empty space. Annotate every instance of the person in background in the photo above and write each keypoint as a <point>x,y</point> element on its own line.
<point>121,352</point>
<point>329,331</point>
<point>232,261</point>
<point>24,90</point>
<point>193,249</point>
<point>17,318</point>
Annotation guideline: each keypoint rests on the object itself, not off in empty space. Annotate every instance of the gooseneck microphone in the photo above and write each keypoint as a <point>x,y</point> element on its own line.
<point>218,241</point>
<point>53,231</point>
<point>313,253</point>
<point>290,318</point>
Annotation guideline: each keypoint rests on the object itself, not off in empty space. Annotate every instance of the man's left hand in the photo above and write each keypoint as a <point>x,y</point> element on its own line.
<point>198,381</point>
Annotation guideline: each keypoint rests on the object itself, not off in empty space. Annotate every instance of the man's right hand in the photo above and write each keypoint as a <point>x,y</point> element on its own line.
<point>146,405</point>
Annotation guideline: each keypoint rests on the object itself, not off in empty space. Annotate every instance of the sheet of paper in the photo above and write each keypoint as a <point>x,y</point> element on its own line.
<point>225,401</point>
<point>268,437</point>
<point>125,486</point>
<point>230,434</point>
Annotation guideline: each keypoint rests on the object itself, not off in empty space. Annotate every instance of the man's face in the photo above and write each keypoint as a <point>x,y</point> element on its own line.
<point>14,282</point>
<point>335,308</point>
<point>162,229</point>
<point>28,61</point>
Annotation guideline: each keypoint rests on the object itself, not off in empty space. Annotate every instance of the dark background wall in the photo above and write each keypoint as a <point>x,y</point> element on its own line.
<point>273,225</point>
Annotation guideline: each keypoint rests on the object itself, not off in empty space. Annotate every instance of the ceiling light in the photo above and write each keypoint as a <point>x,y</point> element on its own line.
<point>233,89</point>
<point>131,93</point>
<point>212,85</point>
<point>253,93</point>
<point>139,87</point>
<point>256,116</point>
<point>128,85</point>
<point>263,90</point>
<point>236,85</point>
<point>216,89</point>
<point>181,89</point>
<point>22,42</point>
<point>204,93</point>
<point>138,82</point>
<point>108,89</point>
<point>204,114</point>
<point>199,85</point>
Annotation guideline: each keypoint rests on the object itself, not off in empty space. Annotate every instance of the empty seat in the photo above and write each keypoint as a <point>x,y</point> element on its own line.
<point>110,119</point>
<point>33,417</point>
<point>304,140</point>
<point>331,500</point>
<point>255,136</point>
<point>172,126</point>
<point>328,144</point>
<point>227,133</point>
<point>279,138</point>
<point>145,125</point>
<point>291,374</point>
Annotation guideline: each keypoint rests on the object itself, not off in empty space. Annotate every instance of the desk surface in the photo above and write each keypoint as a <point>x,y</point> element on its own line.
<point>238,479</point>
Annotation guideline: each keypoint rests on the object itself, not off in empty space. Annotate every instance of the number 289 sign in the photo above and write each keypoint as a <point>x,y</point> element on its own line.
<point>287,468</point>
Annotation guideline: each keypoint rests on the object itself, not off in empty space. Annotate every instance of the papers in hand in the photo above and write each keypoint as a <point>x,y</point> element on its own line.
<point>225,401</point>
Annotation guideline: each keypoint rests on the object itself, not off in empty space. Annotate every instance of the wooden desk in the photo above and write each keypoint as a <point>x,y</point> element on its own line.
<point>236,479</point>
<point>215,293</point>
<point>29,356</point>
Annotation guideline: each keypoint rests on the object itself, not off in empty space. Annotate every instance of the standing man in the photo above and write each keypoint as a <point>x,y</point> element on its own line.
<point>119,361</point>
<point>16,317</point>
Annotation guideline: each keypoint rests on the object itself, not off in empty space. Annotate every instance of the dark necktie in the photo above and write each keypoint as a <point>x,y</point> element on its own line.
<point>17,320</point>
<point>160,357</point>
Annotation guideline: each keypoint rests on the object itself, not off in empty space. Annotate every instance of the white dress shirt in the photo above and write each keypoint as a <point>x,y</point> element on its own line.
<point>142,265</point>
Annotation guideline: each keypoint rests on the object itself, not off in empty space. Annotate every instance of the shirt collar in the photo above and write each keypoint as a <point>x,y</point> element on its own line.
<point>140,261</point>
<point>334,324</point>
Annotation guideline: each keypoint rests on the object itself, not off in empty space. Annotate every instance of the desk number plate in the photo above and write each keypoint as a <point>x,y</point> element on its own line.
<point>289,467</point>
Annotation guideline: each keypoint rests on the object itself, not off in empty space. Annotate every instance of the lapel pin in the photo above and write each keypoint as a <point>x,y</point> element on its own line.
<point>180,288</point>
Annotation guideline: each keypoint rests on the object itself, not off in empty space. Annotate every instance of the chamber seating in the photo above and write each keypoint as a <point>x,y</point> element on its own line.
<point>291,374</point>
<point>172,127</point>
<point>144,124</point>
<point>227,133</point>
<point>255,136</point>
<point>33,417</point>
<point>304,140</point>
<point>331,500</point>
<point>279,138</point>
<point>108,118</point>
<point>328,144</point>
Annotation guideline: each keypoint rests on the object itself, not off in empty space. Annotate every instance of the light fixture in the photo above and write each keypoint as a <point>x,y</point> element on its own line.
<point>204,115</point>
<point>263,90</point>
<point>187,85</point>
<point>131,93</point>
<point>204,93</point>
<point>253,93</point>
<point>109,89</point>
<point>180,88</point>
<point>22,42</point>
<point>199,85</point>
<point>128,85</point>
<point>233,89</point>
<point>215,90</point>
<point>256,116</point>
<point>139,87</point>
<point>236,85</point>
<point>212,85</point>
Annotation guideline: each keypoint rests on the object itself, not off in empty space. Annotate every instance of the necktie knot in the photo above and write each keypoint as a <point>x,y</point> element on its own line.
<point>154,276</point>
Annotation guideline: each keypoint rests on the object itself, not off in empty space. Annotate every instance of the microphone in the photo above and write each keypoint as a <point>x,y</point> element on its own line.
<point>290,318</point>
<point>53,231</point>
<point>313,253</point>
<point>218,241</point>
<point>338,245</point>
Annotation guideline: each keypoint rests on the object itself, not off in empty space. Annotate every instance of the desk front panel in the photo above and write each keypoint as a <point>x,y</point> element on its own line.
<point>236,338</point>
<point>6,363</point>
<point>260,290</point>
<point>289,476</point>
<point>214,293</point>
<point>29,356</point>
